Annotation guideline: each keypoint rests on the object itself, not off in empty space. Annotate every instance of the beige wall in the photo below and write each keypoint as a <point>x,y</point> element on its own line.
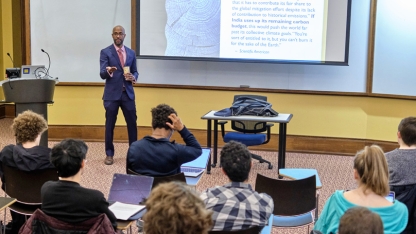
<point>314,115</point>
<point>6,38</point>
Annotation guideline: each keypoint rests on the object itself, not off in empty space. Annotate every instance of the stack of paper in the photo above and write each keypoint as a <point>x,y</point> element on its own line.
<point>124,211</point>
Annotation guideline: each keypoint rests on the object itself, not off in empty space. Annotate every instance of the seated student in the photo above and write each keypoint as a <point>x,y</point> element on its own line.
<point>360,220</point>
<point>65,199</point>
<point>26,155</point>
<point>402,161</point>
<point>174,208</point>
<point>371,175</point>
<point>236,205</point>
<point>402,168</point>
<point>155,155</point>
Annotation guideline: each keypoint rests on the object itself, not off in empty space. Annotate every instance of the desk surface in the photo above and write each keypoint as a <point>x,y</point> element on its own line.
<point>268,229</point>
<point>124,224</point>
<point>193,181</point>
<point>6,202</point>
<point>300,173</point>
<point>281,118</point>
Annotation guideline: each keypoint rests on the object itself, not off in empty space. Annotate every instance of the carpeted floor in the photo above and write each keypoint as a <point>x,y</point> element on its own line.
<point>334,171</point>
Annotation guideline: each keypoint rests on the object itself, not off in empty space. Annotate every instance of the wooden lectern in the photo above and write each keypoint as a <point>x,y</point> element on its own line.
<point>31,94</point>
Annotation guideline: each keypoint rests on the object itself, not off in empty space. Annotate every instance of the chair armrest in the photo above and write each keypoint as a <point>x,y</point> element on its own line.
<point>268,127</point>
<point>222,123</point>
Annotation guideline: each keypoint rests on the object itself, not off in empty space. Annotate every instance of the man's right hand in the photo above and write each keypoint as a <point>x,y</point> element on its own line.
<point>111,69</point>
<point>177,123</point>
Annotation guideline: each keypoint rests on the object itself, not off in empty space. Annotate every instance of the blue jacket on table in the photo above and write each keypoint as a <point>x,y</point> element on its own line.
<point>160,157</point>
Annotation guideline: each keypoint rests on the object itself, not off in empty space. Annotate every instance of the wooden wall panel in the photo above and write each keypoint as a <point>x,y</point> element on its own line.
<point>7,111</point>
<point>303,144</point>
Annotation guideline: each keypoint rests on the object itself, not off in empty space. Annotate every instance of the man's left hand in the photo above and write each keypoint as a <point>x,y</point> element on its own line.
<point>130,77</point>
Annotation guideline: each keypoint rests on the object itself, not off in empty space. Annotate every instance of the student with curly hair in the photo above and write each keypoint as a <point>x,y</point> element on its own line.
<point>372,177</point>
<point>156,155</point>
<point>27,154</point>
<point>174,208</point>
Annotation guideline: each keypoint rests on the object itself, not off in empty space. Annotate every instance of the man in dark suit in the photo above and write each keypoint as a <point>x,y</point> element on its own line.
<point>118,69</point>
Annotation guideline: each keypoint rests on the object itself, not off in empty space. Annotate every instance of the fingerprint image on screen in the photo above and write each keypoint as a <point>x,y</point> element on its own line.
<point>193,28</point>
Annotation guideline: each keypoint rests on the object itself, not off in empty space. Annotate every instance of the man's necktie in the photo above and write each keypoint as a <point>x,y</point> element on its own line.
<point>120,56</point>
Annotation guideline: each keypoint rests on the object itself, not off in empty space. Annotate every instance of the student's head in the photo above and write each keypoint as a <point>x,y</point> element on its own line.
<point>174,208</point>
<point>28,125</point>
<point>371,169</point>
<point>236,161</point>
<point>360,220</point>
<point>407,131</point>
<point>68,157</point>
<point>160,115</point>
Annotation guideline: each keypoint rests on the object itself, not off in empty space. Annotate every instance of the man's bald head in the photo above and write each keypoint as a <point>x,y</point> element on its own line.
<point>118,35</point>
<point>119,28</point>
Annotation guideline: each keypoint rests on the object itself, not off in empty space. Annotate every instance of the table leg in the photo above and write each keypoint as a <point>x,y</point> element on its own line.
<point>282,146</point>
<point>215,142</point>
<point>209,126</point>
<point>317,206</point>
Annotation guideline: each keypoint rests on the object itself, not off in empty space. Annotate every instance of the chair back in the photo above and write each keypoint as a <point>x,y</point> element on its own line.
<point>249,126</point>
<point>178,177</point>
<point>290,197</point>
<point>25,185</point>
<point>407,195</point>
<point>263,98</point>
<point>252,230</point>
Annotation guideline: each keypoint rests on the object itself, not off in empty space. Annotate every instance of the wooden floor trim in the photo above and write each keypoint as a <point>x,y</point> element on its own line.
<point>7,110</point>
<point>294,143</point>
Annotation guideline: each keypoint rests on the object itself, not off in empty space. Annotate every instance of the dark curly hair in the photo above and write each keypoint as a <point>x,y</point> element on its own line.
<point>28,125</point>
<point>236,161</point>
<point>174,208</point>
<point>160,115</point>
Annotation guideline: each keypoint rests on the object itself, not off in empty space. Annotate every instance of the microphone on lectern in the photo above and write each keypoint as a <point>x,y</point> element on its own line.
<point>47,71</point>
<point>17,70</point>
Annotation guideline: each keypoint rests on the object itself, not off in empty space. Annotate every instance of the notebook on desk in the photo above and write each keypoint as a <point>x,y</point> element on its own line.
<point>196,167</point>
<point>130,189</point>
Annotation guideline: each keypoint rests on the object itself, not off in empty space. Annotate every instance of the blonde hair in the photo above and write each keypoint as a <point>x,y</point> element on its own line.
<point>28,125</point>
<point>174,208</point>
<point>371,166</point>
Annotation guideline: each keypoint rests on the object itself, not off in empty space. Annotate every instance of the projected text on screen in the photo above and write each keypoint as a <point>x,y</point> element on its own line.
<point>272,29</point>
<point>254,30</point>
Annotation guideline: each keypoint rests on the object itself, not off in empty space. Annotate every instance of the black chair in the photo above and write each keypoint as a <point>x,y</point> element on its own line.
<point>25,187</point>
<point>294,200</point>
<point>249,133</point>
<point>407,195</point>
<point>157,180</point>
<point>252,230</point>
